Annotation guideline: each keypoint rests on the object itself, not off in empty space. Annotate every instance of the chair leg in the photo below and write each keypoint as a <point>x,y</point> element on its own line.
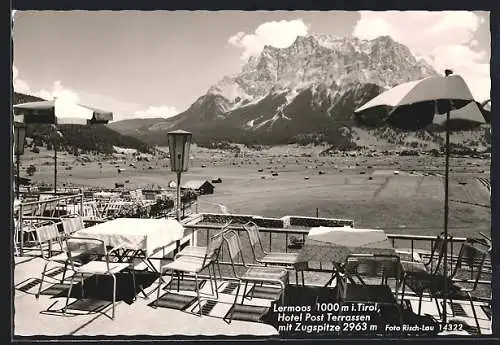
<point>83,294</point>
<point>302,274</point>
<point>64,272</point>
<point>296,278</point>
<point>420,303</point>
<point>218,268</point>
<point>178,281</point>
<point>197,291</point>
<point>69,293</point>
<point>235,301</point>
<point>474,312</point>
<point>134,286</point>
<point>159,288</point>
<point>438,308</point>
<point>114,296</point>
<point>244,292</point>
<point>41,282</point>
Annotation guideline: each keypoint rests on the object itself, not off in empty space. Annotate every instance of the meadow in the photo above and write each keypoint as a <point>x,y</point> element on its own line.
<point>365,189</point>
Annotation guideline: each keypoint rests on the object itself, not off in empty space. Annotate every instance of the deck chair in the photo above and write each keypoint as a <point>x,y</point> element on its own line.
<point>252,274</point>
<point>288,260</point>
<point>92,249</point>
<point>366,279</point>
<point>47,236</point>
<point>194,265</point>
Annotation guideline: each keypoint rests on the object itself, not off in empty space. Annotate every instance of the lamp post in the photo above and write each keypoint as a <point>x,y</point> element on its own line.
<point>19,136</point>
<point>179,143</point>
<point>55,136</point>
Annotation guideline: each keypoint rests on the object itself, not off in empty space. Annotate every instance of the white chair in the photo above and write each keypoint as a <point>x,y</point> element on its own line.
<point>72,224</point>
<point>194,265</point>
<point>93,248</point>
<point>47,236</point>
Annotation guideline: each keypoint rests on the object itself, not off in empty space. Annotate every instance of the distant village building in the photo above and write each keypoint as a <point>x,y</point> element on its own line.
<point>201,187</point>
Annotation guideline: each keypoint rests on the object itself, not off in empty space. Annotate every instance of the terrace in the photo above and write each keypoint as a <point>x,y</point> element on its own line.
<point>177,314</point>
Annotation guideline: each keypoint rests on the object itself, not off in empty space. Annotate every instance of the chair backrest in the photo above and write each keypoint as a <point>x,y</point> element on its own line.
<point>72,224</point>
<point>437,253</point>
<point>233,243</point>
<point>254,236</point>
<point>214,246</point>
<point>90,248</point>
<point>374,266</point>
<point>46,235</point>
<point>472,256</point>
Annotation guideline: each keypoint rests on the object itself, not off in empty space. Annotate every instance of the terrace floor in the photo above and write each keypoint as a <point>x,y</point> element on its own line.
<point>176,316</point>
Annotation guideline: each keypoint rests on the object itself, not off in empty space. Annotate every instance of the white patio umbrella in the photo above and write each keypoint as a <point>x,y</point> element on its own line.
<point>417,104</point>
<point>57,112</point>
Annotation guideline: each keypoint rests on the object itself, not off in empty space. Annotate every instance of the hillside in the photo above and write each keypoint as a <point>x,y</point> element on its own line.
<point>98,138</point>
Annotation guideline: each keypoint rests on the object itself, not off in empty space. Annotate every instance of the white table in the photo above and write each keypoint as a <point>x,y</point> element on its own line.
<point>139,234</point>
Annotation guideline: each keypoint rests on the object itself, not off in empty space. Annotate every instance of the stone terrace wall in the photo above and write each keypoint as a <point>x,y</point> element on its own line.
<point>242,219</point>
<point>284,222</point>
<point>310,222</point>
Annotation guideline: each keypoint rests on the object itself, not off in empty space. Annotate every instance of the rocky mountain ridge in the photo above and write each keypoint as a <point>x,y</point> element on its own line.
<point>304,93</point>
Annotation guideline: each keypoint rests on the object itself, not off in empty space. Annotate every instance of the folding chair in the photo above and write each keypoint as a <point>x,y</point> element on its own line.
<point>253,274</point>
<point>288,260</point>
<point>194,265</point>
<point>92,249</point>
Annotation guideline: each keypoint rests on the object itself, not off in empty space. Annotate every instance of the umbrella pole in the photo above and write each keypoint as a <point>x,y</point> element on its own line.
<point>446,210</point>
<point>55,168</point>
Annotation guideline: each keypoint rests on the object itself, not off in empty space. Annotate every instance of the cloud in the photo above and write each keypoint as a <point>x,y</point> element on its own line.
<point>445,39</point>
<point>155,112</point>
<point>19,84</point>
<point>56,91</point>
<point>279,34</point>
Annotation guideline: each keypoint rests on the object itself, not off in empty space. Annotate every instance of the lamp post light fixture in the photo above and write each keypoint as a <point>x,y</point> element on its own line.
<point>179,143</point>
<point>19,136</point>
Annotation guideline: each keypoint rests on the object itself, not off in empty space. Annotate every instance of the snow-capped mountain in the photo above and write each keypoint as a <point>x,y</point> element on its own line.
<point>308,88</point>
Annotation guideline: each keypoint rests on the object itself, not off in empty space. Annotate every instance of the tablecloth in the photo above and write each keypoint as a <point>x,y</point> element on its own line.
<point>147,235</point>
<point>327,245</point>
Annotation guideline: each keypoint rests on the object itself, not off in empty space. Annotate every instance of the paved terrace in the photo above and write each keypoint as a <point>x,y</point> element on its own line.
<point>91,317</point>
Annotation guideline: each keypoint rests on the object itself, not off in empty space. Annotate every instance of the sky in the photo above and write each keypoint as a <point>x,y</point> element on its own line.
<point>156,64</point>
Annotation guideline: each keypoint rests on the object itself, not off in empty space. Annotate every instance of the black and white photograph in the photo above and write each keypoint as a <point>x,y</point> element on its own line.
<point>263,174</point>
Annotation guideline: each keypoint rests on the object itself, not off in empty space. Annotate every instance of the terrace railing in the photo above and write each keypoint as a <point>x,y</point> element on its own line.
<point>277,239</point>
<point>48,209</point>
